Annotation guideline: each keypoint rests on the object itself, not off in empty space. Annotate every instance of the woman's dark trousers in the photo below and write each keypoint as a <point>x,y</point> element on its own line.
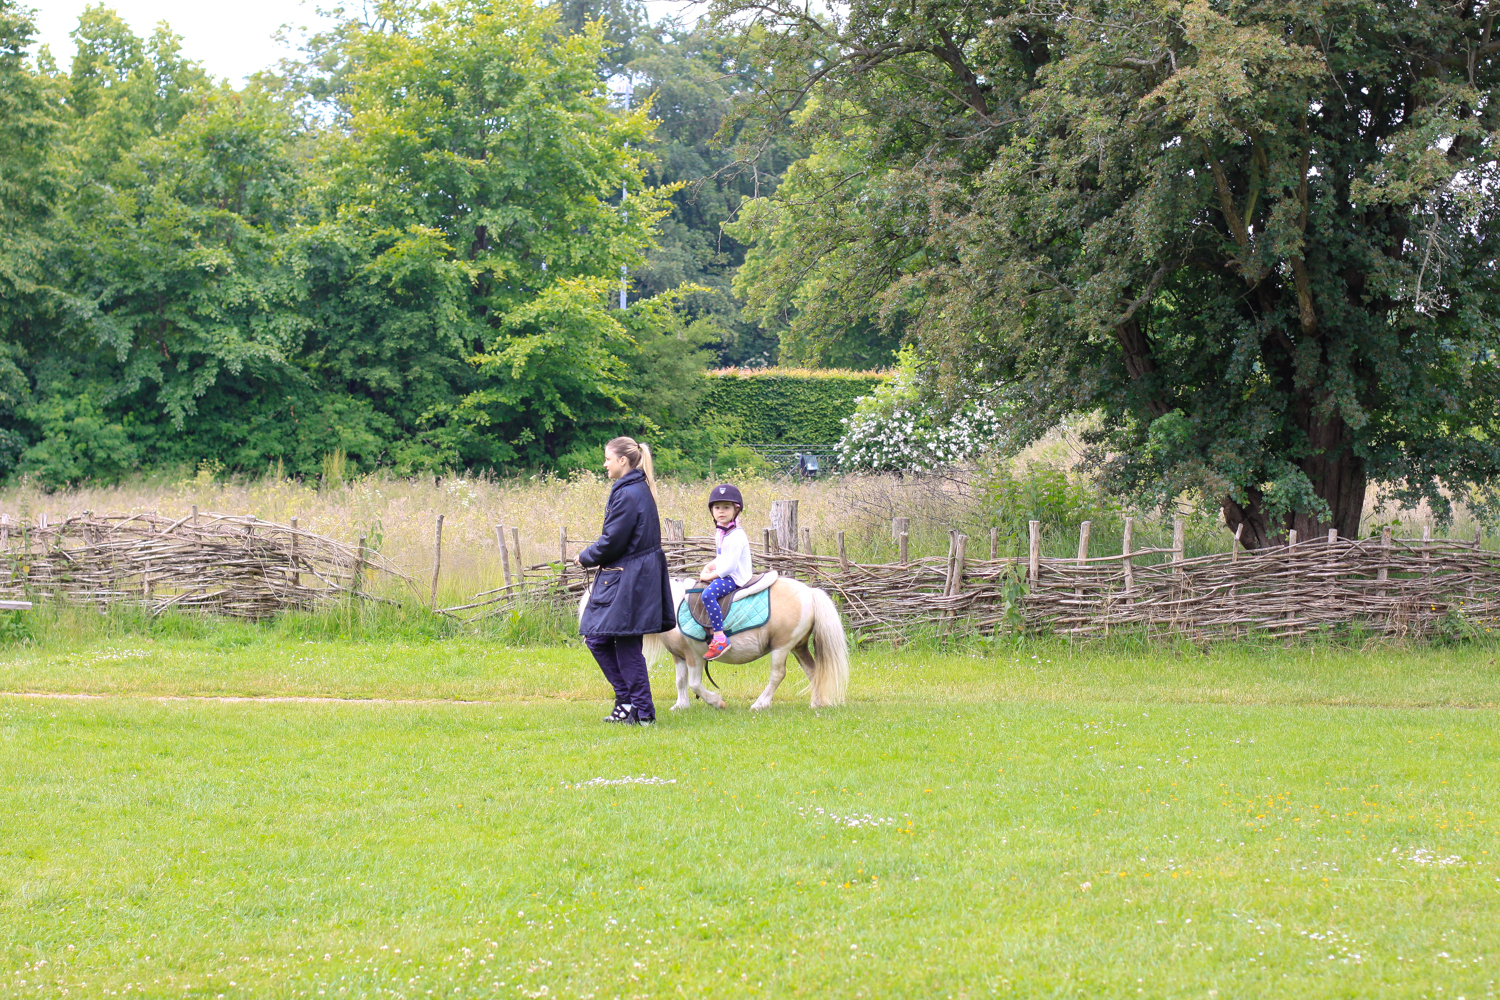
<point>624,667</point>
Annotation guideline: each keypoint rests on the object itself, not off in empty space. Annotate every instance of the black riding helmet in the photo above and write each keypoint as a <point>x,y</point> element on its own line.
<point>726,494</point>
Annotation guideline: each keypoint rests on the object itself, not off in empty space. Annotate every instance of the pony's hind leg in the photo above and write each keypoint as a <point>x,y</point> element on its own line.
<point>778,672</point>
<point>805,658</point>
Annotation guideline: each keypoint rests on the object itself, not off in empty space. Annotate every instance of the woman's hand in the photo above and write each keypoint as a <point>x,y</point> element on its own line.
<point>709,573</point>
<point>579,560</point>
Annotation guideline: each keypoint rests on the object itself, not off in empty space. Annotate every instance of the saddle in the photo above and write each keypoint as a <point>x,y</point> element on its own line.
<point>753,586</point>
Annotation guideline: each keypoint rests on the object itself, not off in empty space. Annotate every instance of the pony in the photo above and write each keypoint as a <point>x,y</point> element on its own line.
<point>799,614</point>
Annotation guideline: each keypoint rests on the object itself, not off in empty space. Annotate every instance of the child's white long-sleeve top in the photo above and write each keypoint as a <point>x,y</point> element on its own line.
<point>733,559</point>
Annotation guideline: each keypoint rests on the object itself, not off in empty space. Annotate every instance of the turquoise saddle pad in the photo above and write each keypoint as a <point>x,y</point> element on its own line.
<point>744,614</point>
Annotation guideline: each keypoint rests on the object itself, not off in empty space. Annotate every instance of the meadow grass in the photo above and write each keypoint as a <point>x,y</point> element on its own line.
<point>397,515</point>
<point>1026,818</point>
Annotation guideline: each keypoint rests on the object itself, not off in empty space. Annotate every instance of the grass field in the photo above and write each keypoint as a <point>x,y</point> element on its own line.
<point>428,820</point>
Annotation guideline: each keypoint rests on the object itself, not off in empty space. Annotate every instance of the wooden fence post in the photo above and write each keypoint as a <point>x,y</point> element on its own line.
<point>994,544</point>
<point>1234,555</point>
<point>1426,555</point>
<point>674,530</point>
<point>1383,573</point>
<point>504,552</point>
<point>956,563</point>
<point>900,526</point>
<point>359,565</point>
<point>562,547</point>
<point>766,540</point>
<point>784,521</point>
<point>4,531</point>
<point>1083,549</point>
<point>296,573</point>
<point>1179,546</point>
<point>515,539</point>
<point>843,555</point>
<point>1125,546</point>
<point>807,540</point>
<point>1478,537</point>
<point>195,514</point>
<point>1034,570</point>
<point>903,542</point>
<point>437,558</point>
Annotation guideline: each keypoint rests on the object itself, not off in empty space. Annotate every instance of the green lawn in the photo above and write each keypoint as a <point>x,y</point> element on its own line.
<point>1307,822</point>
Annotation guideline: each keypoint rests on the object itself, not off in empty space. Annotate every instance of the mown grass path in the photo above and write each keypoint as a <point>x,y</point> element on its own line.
<point>1242,824</point>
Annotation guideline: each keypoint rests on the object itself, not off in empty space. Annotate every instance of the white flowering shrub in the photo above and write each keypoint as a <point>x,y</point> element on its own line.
<point>892,431</point>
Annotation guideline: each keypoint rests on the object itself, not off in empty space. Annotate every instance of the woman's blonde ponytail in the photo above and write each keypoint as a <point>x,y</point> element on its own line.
<point>638,455</point>
<point>648,467</point>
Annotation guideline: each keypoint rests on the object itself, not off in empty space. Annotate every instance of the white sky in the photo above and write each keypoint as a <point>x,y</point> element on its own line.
<point>231,39</point>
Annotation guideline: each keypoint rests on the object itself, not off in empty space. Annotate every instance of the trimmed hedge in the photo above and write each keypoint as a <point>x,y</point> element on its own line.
<point>786,405</point>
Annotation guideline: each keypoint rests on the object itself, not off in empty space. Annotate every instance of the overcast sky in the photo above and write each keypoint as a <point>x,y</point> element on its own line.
<point>231,39</point>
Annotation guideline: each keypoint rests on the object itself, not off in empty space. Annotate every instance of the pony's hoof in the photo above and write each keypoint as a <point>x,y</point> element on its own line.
<point>680,705</point>
<point>760,705</point>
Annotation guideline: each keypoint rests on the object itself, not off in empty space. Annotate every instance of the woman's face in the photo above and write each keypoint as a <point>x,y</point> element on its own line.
<point>615,465</point>
<point>723,513</point>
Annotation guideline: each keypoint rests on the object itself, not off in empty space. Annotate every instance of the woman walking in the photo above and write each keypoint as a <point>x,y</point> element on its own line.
<point>632,595</point>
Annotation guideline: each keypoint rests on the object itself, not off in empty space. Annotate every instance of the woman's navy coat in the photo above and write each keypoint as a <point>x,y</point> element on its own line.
<point>632,595</point>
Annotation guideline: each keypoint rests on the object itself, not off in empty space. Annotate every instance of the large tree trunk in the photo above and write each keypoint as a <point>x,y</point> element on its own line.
<point>1337,476</point>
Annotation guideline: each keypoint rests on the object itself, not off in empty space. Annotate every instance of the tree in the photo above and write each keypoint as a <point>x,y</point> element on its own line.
<point>694,76</point>
<point>480,174</point>
<point>1256,237</point>
<point>31,116</point>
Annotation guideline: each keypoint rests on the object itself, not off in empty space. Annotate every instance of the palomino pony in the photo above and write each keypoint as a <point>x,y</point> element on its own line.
<point>799,614</point>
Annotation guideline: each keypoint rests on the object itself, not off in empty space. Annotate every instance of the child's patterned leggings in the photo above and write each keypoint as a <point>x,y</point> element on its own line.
<point>712,595</point>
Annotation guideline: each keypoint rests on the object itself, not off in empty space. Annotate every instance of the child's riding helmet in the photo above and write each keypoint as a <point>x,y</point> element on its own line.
<point>726,494</point>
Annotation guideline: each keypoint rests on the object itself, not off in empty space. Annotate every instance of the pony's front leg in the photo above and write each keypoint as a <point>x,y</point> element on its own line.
<point>682,683</point>
<point>778,673</point>
<point>695,681</point>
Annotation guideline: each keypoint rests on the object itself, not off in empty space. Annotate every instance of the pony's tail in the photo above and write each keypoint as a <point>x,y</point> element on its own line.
<point>652,648</point>
<point>830,678</point>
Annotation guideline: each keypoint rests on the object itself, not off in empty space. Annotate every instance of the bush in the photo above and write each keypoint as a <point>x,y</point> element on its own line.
<point>893,430</point>
<point>791,405</point>
<point>1010,501</point>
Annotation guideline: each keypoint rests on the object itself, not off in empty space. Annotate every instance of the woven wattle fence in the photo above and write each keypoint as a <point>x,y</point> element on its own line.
<point>1386,585</point>
<point>231,565</point>
<point>248,568</point>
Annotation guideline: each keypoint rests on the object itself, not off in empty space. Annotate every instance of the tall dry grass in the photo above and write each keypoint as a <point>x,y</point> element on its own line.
<point>398,515</point>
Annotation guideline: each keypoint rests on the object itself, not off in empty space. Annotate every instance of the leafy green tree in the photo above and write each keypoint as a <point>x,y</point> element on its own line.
<point>480,173</point>
<point>31,116</point>
<point>805,277</point>
<point>1257,237</point>
<point>694,76</point>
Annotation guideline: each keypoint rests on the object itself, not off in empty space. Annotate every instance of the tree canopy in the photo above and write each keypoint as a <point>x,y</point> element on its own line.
<point>401,244</point>
<point>1257,238</point>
